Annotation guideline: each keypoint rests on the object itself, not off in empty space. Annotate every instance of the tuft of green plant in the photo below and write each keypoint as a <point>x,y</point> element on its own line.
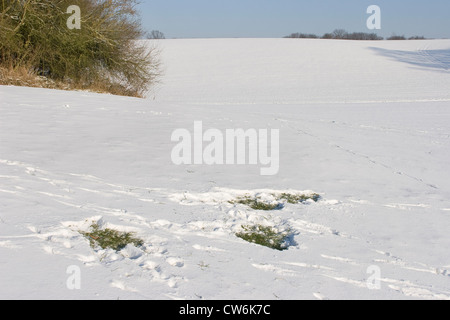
<point>265,236</point>
<point>298,198</point>
<point>257,204</point>
<point>110,238</point>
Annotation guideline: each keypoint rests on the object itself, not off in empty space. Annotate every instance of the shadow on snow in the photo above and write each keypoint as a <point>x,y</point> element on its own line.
<point>437,60</point>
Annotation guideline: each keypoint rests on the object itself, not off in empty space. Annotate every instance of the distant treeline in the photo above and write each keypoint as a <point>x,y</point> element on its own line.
<point>344,35</point>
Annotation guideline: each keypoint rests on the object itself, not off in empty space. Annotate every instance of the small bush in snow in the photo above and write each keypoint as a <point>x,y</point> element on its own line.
<point>256,203</point>
<point>298,198</point>
<point>275,201</point>
<point>110,238</point>
<point>265,236</point>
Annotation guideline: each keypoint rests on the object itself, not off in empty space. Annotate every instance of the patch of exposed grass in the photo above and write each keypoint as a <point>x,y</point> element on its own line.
<point>110,238</point>
<point>265,236</point>
<point>257,203</point>
<point>298,198</point>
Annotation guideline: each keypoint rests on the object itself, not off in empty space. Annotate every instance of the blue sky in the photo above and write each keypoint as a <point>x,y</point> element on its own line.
<point>278,18</point>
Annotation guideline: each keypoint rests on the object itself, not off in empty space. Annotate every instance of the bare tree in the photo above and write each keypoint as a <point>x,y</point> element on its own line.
<point>156,34</point>
<point>340,34</point>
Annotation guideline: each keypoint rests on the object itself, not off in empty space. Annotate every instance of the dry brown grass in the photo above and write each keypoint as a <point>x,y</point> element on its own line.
<point>25,77</point>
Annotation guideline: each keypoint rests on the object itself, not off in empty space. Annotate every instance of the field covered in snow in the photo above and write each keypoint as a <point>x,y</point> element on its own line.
<point>363,124</point>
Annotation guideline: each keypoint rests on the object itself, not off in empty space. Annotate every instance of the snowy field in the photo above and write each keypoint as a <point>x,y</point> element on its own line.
<point>364,124</point>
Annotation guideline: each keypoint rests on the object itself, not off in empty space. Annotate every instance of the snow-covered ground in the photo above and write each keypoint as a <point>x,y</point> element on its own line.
<point>364,124</point>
